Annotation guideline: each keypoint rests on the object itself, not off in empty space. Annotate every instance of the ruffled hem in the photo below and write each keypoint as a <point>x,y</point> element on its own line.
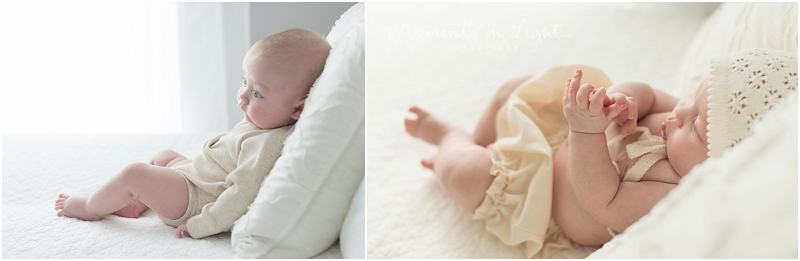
<point>492,205</point>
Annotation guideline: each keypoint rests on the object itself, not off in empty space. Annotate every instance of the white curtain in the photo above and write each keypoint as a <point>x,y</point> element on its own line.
<point>213,40</point>
<point>90,68</point>
<point>134,67</point>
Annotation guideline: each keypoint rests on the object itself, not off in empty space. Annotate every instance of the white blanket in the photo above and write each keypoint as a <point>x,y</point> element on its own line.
<point>37,167</point>
<point>449,58</point>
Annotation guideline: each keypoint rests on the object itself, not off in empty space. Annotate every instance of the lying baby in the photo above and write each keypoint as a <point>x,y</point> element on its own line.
<point>550,165</point>
<point>204,195</point>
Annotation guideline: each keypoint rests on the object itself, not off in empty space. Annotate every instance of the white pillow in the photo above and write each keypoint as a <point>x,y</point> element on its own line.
<point>302,203</point>
<point>741,205</point>
<point>351,239</point>
<point>735,27</point>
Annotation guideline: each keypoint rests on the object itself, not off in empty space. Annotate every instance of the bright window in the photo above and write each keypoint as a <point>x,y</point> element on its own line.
<point>90,68</point>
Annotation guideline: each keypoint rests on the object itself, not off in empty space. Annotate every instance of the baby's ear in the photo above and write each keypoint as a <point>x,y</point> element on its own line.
<point>298,108</point>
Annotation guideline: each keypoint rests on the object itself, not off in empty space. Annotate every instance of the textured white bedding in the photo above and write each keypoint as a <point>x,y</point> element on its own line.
<point>449,58</point>
<point>37,167</point>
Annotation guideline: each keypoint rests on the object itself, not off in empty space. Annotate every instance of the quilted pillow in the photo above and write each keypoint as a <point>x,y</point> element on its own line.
<point>351,239</point>
<point>735,27</point>
<point>302,203</point>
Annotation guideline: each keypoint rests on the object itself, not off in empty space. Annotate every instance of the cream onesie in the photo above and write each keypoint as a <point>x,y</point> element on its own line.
<point>224,179</point>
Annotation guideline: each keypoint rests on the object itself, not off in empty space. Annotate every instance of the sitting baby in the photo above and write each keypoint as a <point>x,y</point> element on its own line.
<point>551,165</point>
<point>204,195</point>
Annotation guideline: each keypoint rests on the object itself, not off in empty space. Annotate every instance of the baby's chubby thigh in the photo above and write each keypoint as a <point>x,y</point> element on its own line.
<point>166,158</point>
<point>162,189</point>
<point>464,173</point>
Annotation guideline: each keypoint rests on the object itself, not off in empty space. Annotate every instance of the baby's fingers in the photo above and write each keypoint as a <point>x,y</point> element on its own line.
<point>620,100</point>
<point>582,98</point>
<point>633,111</point>
<point>574,85</point>
<point>566,91</point>
<point>596,104</point>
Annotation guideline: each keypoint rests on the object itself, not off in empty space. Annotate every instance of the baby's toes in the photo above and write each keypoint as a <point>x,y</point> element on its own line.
<point>418,111</point>
<point>411,126</point>
<point>62,213</point>
<point>428,162</point>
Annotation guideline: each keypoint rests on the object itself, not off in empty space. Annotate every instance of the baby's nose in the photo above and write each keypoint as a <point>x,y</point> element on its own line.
<point>680,115</point>
<point>242,99</point>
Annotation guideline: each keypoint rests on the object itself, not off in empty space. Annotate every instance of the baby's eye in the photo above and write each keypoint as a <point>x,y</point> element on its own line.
<point>256,94</point>
<point>694,129</point>
<point>244,81</point>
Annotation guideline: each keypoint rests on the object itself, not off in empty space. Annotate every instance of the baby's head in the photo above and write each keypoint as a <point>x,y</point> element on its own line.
<point>742,87</point>
<point>278,73</point>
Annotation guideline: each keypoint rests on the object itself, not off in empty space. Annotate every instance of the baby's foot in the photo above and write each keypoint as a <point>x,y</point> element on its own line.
<point>428,162</point>
<point>74,207</point>
<point>426,126</point>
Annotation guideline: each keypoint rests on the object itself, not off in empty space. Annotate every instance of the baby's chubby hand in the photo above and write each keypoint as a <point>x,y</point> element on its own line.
<point>628,112</point>
<point>587,114</point>
<point>182,231</point>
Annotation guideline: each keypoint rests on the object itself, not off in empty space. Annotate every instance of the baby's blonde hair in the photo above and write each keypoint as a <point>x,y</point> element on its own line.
<point>302,51</point>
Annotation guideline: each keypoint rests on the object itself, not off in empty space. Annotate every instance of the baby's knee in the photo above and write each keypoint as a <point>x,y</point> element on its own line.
<point>467,180</point>
<point>164,157</point>
<point>468,191</point>
<point>133,170</point>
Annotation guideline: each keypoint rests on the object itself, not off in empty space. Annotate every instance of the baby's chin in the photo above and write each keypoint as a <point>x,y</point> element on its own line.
<point>247,118</point>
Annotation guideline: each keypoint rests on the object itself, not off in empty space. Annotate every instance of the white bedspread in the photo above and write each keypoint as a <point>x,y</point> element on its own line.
<point>37,167</point>
<point>449,58</point>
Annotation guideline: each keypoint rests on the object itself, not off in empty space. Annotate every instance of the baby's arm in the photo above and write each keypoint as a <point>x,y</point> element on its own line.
<point>594,179</point>
<point>254,162</point>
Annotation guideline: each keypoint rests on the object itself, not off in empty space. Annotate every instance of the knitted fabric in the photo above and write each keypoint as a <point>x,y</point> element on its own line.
<point>651,148</point>
<point>648,148</point>
<point>742,87</point>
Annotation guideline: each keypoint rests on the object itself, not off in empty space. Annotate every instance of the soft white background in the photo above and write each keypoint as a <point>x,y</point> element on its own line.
<point>135,67</point>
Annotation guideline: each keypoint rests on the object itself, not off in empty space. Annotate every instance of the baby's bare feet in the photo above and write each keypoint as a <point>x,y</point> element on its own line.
<point>426,126</point>
<point>74,207</point>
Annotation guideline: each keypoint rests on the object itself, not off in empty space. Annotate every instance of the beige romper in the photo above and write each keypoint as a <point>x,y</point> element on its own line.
<point>224,179</point>
<point>530,127</point>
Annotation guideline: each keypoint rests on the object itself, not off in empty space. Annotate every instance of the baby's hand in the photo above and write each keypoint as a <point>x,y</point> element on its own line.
<point>182,231</point>
<point>628,112</point>
<point>587,115</point>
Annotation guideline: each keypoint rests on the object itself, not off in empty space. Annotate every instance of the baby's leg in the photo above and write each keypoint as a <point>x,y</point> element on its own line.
<point>461,166</point>
<point>159,188</point>
<point>164,158</point>
<point>485,132</point>
<point>133,210</point>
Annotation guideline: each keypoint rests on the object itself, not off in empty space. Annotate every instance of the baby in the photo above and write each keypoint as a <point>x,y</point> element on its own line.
<point>549,164</point>
<point>204,195</point>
